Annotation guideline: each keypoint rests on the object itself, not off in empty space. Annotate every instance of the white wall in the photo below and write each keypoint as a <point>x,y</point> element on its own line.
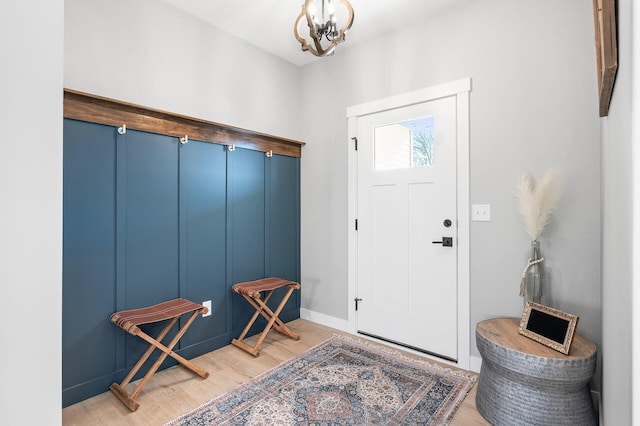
<point>150,53</point>
<point>618,221</point>
<point>31,44</point>
<point>533,106</point>
<point>635,286</point>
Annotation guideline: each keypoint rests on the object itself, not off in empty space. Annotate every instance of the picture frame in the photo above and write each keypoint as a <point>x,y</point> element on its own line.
<point>604,19</point>
<point>548,326</point>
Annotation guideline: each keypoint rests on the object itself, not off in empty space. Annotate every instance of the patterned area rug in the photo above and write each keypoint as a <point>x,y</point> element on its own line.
<point>341,381</point>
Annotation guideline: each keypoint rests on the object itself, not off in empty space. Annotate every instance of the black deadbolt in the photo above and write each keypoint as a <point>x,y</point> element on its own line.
<point>446,223</point>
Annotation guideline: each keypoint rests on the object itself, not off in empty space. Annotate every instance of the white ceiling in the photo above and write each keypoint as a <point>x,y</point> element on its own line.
<point>268,24</point>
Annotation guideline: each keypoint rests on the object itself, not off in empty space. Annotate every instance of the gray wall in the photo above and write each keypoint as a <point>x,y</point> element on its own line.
<point>148,52</point>
<point>618,221</point>
<point>31,46</point>
<point>533,106</point>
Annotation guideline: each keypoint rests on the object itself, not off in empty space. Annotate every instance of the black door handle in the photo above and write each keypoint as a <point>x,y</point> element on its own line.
<point>446,242</point>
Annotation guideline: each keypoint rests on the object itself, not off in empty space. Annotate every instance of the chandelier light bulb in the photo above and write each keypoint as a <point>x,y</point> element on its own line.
<point>330,8</point>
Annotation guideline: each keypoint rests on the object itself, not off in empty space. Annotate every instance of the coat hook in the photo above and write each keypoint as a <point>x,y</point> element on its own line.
<point>123,129</point>
<point>184,139</point>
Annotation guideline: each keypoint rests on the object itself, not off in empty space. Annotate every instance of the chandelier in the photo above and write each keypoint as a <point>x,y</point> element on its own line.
<point>323,26</point>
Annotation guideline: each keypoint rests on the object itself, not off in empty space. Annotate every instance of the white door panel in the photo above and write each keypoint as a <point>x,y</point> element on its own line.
<point>407,283</point>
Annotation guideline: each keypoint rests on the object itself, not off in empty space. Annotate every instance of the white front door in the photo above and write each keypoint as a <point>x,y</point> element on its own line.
<point>407,227</point>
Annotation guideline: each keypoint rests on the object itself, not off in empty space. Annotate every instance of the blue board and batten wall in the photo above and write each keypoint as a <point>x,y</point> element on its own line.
<point>148,219</point>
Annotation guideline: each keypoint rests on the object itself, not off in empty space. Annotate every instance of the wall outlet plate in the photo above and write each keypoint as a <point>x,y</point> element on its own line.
<point>481,213</point>
<point>207,304</point>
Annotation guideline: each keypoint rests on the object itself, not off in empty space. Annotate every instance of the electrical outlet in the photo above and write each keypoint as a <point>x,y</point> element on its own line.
<point>207,304</point>
<point>481,212</point>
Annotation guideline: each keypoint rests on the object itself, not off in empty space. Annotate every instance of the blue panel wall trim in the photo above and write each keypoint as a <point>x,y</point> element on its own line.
<point>247,231</point>
<point>247,198</point>
<point>88,252</point>
<point>147,219</point>
<point>203,197</point>
<point>121,242</point>
<point>151,229</point>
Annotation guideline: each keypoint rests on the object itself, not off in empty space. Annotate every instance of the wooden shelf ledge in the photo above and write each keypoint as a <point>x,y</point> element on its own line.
<point>97,109</point>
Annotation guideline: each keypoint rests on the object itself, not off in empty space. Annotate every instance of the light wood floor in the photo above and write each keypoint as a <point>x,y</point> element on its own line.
<point>176,390</point>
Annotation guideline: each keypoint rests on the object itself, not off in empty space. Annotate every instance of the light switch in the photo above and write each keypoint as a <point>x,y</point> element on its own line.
<point>481,213</point>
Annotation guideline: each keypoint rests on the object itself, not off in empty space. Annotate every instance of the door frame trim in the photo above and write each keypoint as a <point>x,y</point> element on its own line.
<point>461,90</point>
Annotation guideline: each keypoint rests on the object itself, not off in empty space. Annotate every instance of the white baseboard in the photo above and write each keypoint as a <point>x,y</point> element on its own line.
<point>326,320</point>
<point>475,362</point>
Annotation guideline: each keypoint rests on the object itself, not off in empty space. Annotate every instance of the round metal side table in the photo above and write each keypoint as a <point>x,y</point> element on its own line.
<point>523,382</point>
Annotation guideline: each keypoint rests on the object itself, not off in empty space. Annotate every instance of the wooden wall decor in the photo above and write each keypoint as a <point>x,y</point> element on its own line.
<point>97,109</point>
<point>604,17</point>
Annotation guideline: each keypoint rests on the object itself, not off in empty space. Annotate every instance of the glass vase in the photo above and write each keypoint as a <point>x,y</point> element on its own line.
<point>533,277</point>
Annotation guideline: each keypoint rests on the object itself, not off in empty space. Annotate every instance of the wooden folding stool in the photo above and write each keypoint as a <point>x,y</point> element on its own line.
<point>130,320</point>
<point>251,291</point>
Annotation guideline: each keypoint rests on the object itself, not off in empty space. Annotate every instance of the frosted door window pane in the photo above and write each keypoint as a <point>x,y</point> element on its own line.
<point>404,145</point>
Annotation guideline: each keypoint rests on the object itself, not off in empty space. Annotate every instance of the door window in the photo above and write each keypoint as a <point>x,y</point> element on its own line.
<point>404,145</point>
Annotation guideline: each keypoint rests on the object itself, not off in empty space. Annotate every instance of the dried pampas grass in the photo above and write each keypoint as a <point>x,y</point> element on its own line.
<point>536,204</point>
